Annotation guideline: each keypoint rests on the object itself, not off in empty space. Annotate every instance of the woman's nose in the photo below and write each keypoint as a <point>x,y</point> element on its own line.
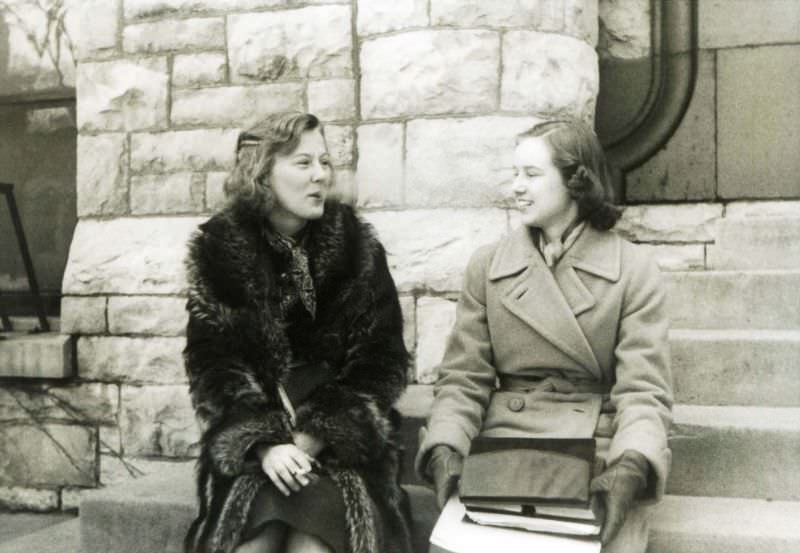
<point>517,186</point>
<point>318,172</point>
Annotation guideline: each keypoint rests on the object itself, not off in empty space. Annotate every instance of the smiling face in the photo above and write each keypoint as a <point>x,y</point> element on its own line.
<point>539,189</point>
<point>300,181</point>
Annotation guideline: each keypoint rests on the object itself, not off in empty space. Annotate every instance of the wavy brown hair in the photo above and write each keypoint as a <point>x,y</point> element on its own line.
<point>580,159</point>
<point>256,149</point>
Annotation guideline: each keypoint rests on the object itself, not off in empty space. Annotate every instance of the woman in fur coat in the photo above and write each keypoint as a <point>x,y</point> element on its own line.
<point>295,357</point>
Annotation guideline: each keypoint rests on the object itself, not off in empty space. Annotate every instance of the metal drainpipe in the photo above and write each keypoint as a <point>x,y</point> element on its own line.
<point>674,43</point>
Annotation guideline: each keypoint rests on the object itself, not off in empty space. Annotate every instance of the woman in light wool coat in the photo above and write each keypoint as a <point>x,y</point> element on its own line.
<point>561,331</point>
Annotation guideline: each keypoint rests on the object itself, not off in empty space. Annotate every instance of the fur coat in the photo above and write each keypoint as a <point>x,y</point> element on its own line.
<point>238,349</point>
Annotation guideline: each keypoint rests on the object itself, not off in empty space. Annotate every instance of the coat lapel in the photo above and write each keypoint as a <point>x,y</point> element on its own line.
<point>535,297</point>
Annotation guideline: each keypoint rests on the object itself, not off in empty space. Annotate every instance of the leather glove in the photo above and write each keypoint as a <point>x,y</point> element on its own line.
<point>619,486</point>
<point>444,466</point>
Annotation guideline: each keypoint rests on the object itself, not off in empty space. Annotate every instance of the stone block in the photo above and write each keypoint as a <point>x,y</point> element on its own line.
<point>332,99</point>
<point>543,15</point>
<point>110,440</point>
<point>548,73</point>
<point>103,18</point>
<point>83,315</point>
<point>340,139</point>
<point>734,299</point>
<point>233,106</point>
<point>102,174</point>
<point>194,70</point>
<point>736,367</point>
<point>141,9</point>
<point>310,42</point>
<point>98,403</point>
<point>71,498</point>
<point>731,23</point>
<point>45,355</point>
<point>685,169</point>
<point>154,359</point>
<point>47,455</point>
<point>158,420</point>
<point>344,186</point>
<point>151,315</point>
<point>194,150</point>
<point>746,210</point>
<point>169,193</point>
<point>123,95</point>
<point>581,20</point>
<point>115,470</point>
<point>766,164</point>
<point>378,16</point>
<point>139,255</point>
<point>409,306</point>
<point>215,190</point>
<point>670,223</point>
<point>461,162</point>
<point>678,257</point>
<point>85,403</point>
<point>380,164</point>
<point>16,498</point>
<point>756,243</point>
<point>430,72</point>
<point>174,34</point>
<point>435,319</point>
<point>429,249</point>
<point>624,29</point>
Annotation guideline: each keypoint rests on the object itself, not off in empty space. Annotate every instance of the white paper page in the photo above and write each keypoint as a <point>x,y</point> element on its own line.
<point>455,535</point>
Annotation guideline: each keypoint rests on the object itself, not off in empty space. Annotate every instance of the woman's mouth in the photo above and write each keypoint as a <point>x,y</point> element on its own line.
<point>524,203</point>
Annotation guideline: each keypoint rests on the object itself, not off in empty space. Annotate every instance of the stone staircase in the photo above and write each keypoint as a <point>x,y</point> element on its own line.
<point>735,483</point>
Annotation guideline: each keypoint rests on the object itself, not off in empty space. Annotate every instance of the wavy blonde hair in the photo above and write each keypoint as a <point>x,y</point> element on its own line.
<point>256,149</point>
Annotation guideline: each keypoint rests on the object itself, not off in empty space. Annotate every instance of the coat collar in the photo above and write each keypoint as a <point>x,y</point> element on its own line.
<point>550,301</point>
<point>594,252</point>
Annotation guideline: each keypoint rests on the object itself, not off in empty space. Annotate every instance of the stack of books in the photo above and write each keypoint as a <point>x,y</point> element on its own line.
<point>533,484</point>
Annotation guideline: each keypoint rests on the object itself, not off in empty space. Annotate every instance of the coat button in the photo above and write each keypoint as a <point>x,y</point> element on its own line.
<point>516,404</point>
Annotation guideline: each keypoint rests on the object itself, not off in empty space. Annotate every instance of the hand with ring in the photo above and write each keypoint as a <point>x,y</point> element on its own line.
<point>288,466</point>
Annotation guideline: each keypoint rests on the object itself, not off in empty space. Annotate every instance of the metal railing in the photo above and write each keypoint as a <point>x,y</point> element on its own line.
<point>44,326</point>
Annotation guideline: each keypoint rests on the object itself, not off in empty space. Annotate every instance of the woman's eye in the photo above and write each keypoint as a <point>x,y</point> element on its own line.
<point>325,162</point>
<point>531,174</point>
<point>303,163</point>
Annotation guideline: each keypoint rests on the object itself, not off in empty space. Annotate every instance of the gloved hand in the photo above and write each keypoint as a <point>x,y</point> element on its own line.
<point>618,486</point>
<point>444,466</point>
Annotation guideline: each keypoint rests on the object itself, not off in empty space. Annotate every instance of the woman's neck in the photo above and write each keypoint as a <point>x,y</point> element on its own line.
<point>286,223</point>
<point>558,231</point>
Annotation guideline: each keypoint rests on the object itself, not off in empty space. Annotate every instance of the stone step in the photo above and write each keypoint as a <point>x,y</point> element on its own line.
<point>734,299</point>
<point>736,452</point>
<point>756,243</point>
<point>716,451</point>
<point>151,515</point>
<point>64,537</point>
<point>724,525</point>
<point>736,367</point>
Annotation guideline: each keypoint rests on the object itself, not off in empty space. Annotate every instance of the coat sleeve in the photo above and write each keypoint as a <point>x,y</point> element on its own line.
<point>351,414</point>
<point>642,393</point>
<point>466,374</point>
<point>234,406</point>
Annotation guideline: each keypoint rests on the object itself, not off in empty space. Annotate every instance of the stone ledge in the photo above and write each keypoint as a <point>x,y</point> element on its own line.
<point>46,355</point>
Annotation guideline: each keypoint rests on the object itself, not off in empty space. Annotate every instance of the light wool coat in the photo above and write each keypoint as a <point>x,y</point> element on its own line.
<point>592,332</point>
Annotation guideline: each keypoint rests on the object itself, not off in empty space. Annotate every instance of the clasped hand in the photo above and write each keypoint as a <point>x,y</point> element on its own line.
<point>289,466</point>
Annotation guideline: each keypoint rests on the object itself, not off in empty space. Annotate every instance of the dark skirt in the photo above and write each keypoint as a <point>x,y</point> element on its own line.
<point>317,509</point>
